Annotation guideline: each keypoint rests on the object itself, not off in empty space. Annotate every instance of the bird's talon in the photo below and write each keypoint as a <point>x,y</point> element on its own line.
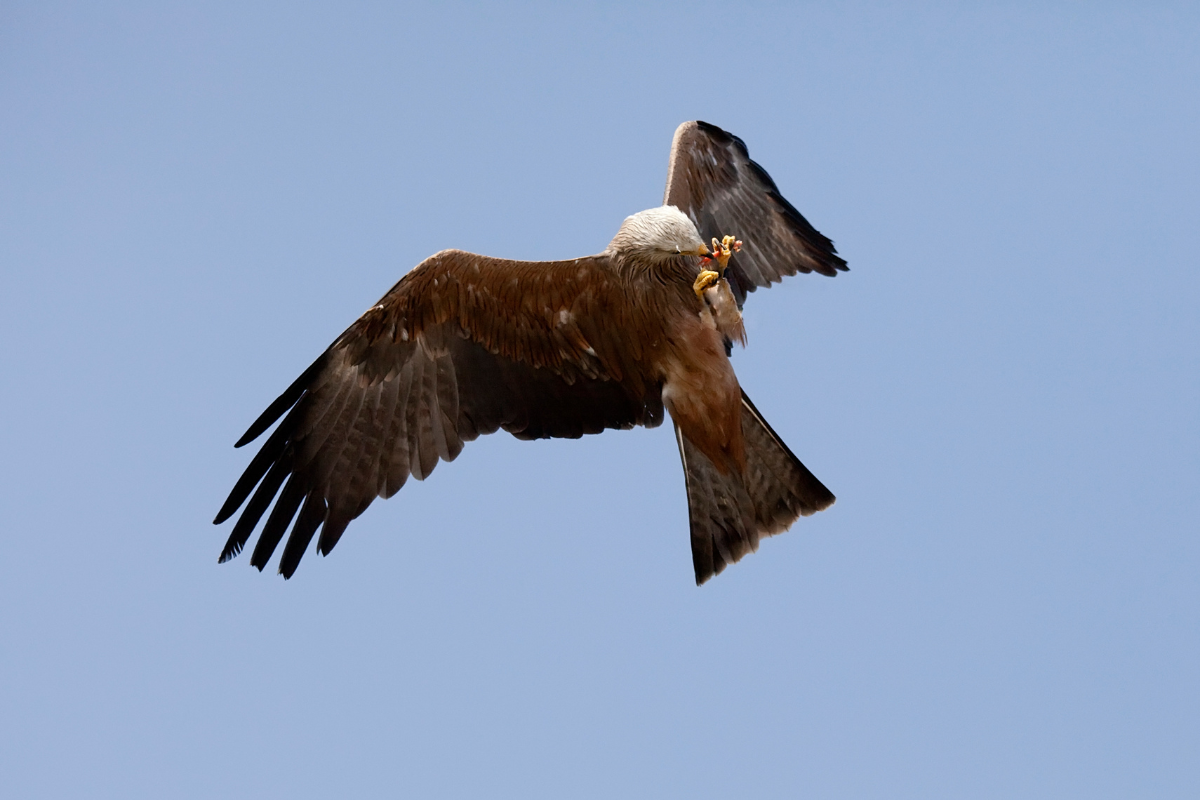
<point>724,249</point>
<point>704,280</point>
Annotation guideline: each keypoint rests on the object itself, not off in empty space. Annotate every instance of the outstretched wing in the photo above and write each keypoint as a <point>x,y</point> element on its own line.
<point>462,346</point>
<point>712,179</point>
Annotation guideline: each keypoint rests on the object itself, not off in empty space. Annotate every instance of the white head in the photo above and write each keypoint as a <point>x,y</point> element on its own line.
<point>658,234</point>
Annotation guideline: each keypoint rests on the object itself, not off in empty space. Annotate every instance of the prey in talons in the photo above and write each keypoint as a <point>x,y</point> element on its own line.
<point>720,309</point>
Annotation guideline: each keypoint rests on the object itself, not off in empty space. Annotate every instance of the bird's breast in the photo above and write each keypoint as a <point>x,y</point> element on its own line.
<point>701,391</point>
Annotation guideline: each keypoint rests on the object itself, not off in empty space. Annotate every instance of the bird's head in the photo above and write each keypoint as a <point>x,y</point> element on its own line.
<point>658,234</point>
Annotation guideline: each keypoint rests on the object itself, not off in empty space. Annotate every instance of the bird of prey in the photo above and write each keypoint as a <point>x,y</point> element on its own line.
<point>466,345</point>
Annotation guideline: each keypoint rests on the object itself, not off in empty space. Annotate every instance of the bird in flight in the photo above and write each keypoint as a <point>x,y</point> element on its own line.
<point>466,345</point>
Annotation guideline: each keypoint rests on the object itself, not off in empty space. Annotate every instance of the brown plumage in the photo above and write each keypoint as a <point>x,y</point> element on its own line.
<point>465,345</point>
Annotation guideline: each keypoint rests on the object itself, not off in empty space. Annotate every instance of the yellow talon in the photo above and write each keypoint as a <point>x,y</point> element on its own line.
<point>705,279</point>
<point>725,248</point>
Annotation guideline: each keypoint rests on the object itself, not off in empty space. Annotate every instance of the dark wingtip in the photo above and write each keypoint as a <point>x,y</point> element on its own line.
<point>828,262</point>
<point>312,514</point>
<point>225,513</point>
<point>720,134</point>
<point>257,506</point>
<point>230,552</point>
<point>283,402</point>
<point>278,522</point>
<point>234,501</point>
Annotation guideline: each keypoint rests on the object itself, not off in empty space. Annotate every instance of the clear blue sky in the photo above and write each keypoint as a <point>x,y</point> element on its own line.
<point>1004,393</point>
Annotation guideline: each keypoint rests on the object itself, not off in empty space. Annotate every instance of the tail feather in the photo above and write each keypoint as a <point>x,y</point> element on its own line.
<point>782,487</point>
<point>721,512</point>
<point>729,513</point>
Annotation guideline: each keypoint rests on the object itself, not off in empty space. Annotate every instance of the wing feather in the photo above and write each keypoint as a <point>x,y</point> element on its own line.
<point>282,403</point>
<point>278,521</point>
<point>269,455</point>
<point>312,514</point>
<point>254,511</point>
<point>401,452</point>
<point>415,418</point>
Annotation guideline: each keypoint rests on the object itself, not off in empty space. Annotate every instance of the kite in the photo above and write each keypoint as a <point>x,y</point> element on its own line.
<point>465,345</point>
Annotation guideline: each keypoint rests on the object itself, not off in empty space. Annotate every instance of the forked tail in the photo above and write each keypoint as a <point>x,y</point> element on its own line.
<point>730,512</point>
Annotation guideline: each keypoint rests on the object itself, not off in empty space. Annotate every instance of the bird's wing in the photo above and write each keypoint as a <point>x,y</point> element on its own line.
<point>712,179</point>
<point>462,346</point>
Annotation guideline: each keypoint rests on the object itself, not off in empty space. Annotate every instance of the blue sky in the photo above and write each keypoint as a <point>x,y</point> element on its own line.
<point>1003,392</point>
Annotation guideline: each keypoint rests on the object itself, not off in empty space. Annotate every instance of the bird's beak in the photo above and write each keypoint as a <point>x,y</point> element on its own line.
<point>703,251</point>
